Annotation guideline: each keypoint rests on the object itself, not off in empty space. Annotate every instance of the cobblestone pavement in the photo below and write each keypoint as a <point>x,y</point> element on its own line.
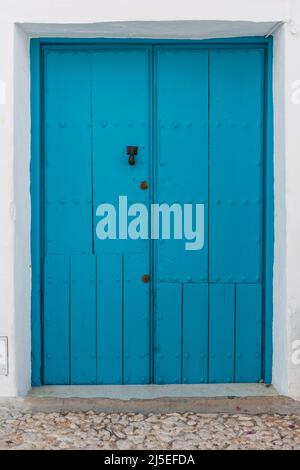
<point>154,431</point>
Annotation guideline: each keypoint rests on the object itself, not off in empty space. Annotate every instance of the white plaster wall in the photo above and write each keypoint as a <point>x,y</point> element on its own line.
<point>22,19</point>
<point>291,154</point>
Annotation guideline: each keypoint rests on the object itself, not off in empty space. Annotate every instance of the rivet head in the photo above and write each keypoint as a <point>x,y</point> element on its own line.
<point>146,278</point>
<point>144,185</point>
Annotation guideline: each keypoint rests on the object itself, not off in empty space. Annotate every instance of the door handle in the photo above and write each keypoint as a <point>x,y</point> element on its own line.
<point>132,150</point>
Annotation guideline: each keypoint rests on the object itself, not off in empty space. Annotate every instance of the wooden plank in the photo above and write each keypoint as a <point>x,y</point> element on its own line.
<point>83,328</point>
<point>221,332</point>
<point>68,164</point>
<point>182,156</point>
<point>236,162</point>
<point>109,318</point>
<point>120,118</point>
<point>168,331</point>
<point>195,333</point>
<point>56,320</point>
<point>136,332</point>
<point>248,333</point>
<point>36,192</point>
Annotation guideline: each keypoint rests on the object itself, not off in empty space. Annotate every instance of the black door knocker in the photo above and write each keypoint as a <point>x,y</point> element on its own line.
<point>132,150</point>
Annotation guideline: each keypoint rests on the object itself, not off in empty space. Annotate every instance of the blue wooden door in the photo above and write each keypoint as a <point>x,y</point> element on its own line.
<point>196,117</point>
<point>209,150</point>
<point>96,308</point>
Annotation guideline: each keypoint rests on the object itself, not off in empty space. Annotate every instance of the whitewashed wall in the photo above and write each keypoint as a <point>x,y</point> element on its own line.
<point>22,19</point>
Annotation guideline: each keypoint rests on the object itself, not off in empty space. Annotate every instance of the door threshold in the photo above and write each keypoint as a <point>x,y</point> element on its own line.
<point>152,399</point>
<point>148,392</point>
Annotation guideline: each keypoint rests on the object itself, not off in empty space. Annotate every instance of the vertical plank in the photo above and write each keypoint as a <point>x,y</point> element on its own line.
<point>35,193</point>
<point>136,320</point>
<point>269,218</point>
<point>56,320</point>
<point>248,333</point>
<point>195,333</point>
<point>120,107</point>
<point>83,330</point>
<point>182,154</point>
<point>221,332</point>
<point>68,165</point>
<point>168,329</point>
<point>109,318</point>
<point>236,161</point>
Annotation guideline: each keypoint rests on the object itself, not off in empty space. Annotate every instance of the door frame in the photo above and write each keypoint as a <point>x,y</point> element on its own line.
<point>37,48</point>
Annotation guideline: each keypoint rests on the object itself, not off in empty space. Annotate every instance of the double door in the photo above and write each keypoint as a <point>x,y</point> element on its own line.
<point>134,310</point>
